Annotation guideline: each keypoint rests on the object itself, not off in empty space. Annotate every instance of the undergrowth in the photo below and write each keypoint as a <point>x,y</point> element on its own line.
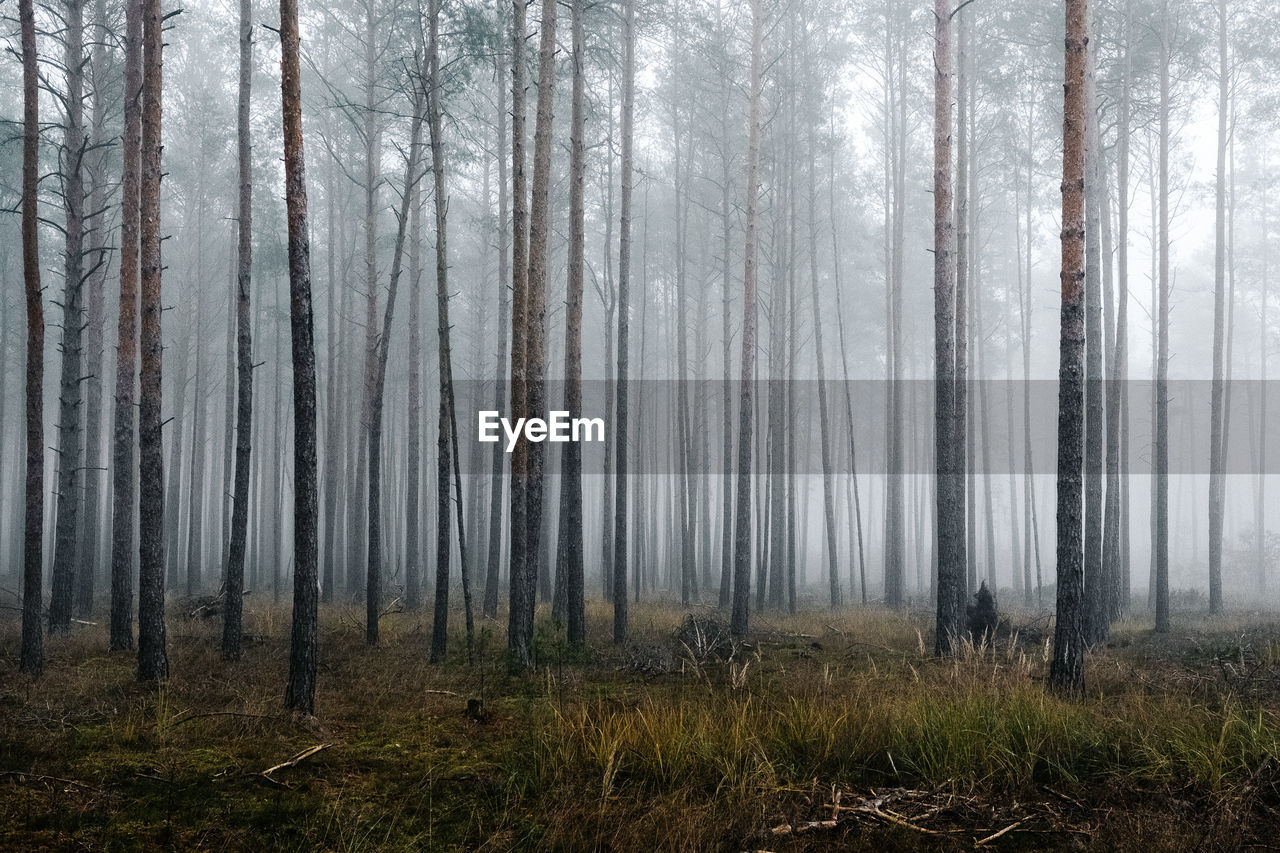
<point>591,751</point>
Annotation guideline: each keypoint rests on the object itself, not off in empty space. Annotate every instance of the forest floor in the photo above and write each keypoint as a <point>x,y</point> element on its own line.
<point>821,732</point>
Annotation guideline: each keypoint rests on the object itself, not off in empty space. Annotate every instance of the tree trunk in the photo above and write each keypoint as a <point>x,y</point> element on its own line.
<point>300,693</point>
<point>32,655</point>
<point>413,488</point>
<point>1094,615</point>
<point>504,311</point>
<point>374,543</point>
<point>524,570</point>
<point>1217,446</point>
<point>726,426</point>
<point>1066,672</point>
<point>569,543</point>
<point>95,280</point>
<point>153,661</point>
<point>521,592</point>
<point>620,482</point>
<point>1161,461</point>
<point>372,177</point>
<point>233,607</point>
<point>448,433</point>
<point>70,393</point>
<point>828,499</point>
<point>948,440</point>
<point>742,533</point>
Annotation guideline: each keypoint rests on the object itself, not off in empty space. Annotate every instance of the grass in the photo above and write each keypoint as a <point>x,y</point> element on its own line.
<point>1174,746</point>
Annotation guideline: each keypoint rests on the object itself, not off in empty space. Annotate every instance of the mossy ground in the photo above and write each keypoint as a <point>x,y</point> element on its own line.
<point>1174,747</point>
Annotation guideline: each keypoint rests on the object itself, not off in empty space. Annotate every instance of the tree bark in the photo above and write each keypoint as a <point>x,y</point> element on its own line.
<point>1095,615</point>
<point>1066,672</point>
<point>70,384</point>
<point>1161,461</point>
<point>948,440</point>
<point>620,564</point>
<point>448,434</point>
<point>233,607</point>
<point>504,312</point>
<point>95,281</point>
<point>742,533</point>
<point>1217,446</point>
<point>32,654</point>
<point>300,692</point>
<point>569,543</point>
<point>153,661</point>
<point>519,598</point>
<point>828,499</point>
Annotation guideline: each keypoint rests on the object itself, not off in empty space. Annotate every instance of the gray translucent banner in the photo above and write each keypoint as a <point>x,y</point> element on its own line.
<point>1013,426</point>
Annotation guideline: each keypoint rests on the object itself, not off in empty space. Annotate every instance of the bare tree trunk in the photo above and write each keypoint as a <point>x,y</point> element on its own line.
<point>300,693</point>
<point>1094,611</point>
<point>1161,461</point>
<point>448,433</point>
<point>620,482</point>
<point>32,655</point>
<point>70,390</point>
<point>856,499</point>
<point>1115,566</point>
<point>372,177</point>
<point>413,488</point>
<point>335,457</point>
<point>233,607</point>
<point>195,512</point>
<point>828,499</point>
<point>124,474</point>
<point>1024,307</point>
<point>524,571</point>
<point>1259,524</point>
<point>373,604</point>
<point>742,533</point>
<point>504,312</point>
<point>153,661</point>
<point>1066,672</point>
<point>948,440</point>
<point>569,562</point>
<point>521,591</point>
<point>95,280</point>
<point>1217,445</point>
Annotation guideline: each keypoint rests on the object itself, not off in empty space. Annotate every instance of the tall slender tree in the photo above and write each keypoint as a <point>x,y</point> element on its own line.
<point>70,453</point>
<point>520,598</point>
<point>1160,514</point>
<point>620,483</point>
<point>234,582</point>
<point>1217,447</point>
<point>1066,672</point>
<point>504,312</point>
<point>746,415</point>
<point>153,660</point>
<point>32,655</point>
<point>300,692</point>
<point>124,473</point>
<point>569,541</point>
<point>948,442</point>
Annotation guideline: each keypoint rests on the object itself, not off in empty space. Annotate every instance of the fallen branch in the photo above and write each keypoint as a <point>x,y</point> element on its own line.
<point>875,812</point>
<point>993,836</point>
<point>22,776</point>
<point>182,720</point>
<point>293,762</point>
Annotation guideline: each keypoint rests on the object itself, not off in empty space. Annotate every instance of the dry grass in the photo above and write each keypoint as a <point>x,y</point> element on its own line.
<point>1174,746</point>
